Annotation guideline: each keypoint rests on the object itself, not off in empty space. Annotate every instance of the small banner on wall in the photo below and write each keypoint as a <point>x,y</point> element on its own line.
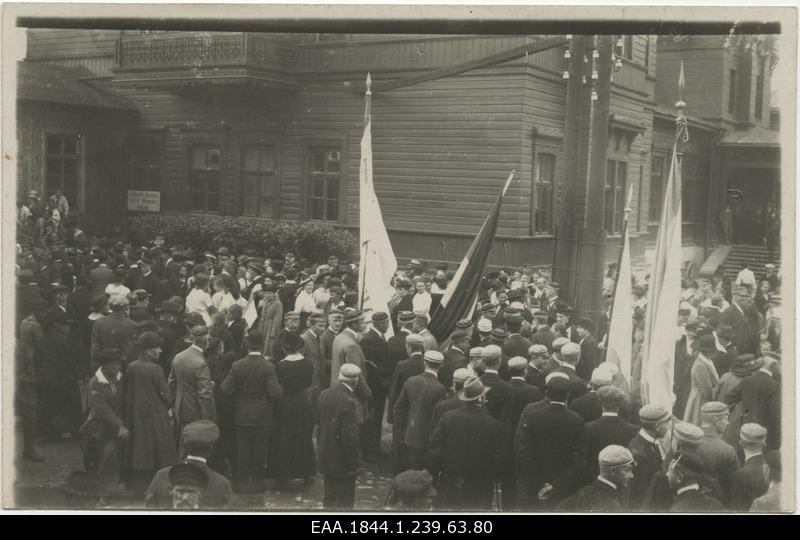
<point>144,201</point>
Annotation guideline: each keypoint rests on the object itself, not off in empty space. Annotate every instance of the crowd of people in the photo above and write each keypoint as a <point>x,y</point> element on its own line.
<point>189,376</point>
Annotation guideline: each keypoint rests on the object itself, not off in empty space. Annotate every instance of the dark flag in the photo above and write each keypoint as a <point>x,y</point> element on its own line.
<point>459,299</point>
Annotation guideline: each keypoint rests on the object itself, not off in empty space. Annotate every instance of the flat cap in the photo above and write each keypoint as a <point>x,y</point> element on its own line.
<point>741,291</point>
<point>570,349</point>
<point>60,289</point>
<point>336,316</point>
<point>380,316</point>
<point>476,351</point>
<point>498,334</point>
<point>558,381</point>
<point>517,362</point>
<point>537,349</point>
<point>692,322</point>
<point>413,482</point>
<point>690,462</point>
<point>610,396</point>
<point>484,326</point>
<point>415,339</point>
<point>149,340</point>
<point>559,342</point>
<point>291,316</point>
<point>705,343</point>
<point>188,474</point>
<point>141,294</point>
<point>515,294</point>
<point>611,367</point>
<point>464,324</point>
<point>601,376</point>
<point>689,433</point>
<point>434,357</point>
<point>201,431</point>
<point>168,306</point>
<point>406,316</point>
<point>459,335</point>
<point>614,455</point>
<point>462,374</point>
<point>485,306</point>
<point>199,330</point>
<point>349,371</point>
<point>753,433</point>
<point>654,414</point>
<point>714,408</point>
<point>491,352</point>
<point>683,311</point>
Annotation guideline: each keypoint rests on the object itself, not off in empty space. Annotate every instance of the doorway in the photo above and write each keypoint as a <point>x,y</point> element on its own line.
<point>750,191</point>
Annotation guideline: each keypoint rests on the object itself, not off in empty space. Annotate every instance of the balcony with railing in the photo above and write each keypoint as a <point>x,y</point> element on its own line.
<point>205,58</point>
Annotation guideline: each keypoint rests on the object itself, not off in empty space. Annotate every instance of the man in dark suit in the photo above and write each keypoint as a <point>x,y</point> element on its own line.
<point>100,277</point>
<point>723,360</point>
<point>414,408</point>
<point>460,376</point>
<point>647,451</point>
<point>749,483</point>
<point>684,360</point>
<point>684,474</point>
<point>413,365</point>
<point>549,448</point>
<point>614,468</point>
<point>287,293</point>
<point>379,369</point>
<point>199,439</point>
<point>237,326</point>
<point>570,355</point>
<point>498,399</point>
<point>115,330</point>
<point>745,320</point>
<point>253,385</point>
<point>455,357</point>
<point>396,345</point>
<point>608,429</point>
<point>588,343</point>
<point>467,450</point>
<point>337,439</point>
<point>515,344</point>
<point>335,321</point>
<point>522,394</point>
<point>538,359</point>
<point>542,335</point>
<point>761,402</point>
<point>588,405</point>
<point>312,339</point>
<point>151,283</point>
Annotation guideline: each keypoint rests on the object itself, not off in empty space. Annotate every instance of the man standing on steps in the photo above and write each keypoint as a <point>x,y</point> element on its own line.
<point>745,320</point>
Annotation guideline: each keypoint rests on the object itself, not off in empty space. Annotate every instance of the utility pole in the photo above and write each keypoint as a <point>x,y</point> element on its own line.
<point>580,235</point>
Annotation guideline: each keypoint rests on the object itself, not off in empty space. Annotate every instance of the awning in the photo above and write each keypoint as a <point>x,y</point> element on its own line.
<point>755,136</point>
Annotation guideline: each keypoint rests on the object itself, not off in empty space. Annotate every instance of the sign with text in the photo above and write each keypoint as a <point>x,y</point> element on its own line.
<point>144,201</point>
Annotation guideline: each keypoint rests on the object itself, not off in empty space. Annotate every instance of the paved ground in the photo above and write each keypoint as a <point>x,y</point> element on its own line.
<point>47,485</point>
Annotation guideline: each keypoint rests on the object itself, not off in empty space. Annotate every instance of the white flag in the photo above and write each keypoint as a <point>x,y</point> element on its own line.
<point>378,263</point>
<point>620,328</point>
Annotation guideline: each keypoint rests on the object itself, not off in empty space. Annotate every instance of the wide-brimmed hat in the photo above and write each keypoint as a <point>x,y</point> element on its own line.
<point>746,364</point>
<point>473,389</point>
<point>705,343</point>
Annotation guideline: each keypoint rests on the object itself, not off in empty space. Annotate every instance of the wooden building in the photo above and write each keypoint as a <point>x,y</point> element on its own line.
<point>237,123</point>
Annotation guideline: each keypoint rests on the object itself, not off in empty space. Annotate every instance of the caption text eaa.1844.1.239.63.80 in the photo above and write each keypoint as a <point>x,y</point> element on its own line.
<point>402,526</point>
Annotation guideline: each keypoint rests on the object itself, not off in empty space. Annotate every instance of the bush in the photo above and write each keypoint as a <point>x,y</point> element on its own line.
<point>311,241</point>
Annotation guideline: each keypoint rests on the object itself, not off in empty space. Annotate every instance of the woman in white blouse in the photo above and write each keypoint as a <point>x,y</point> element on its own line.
<point>422,298</point>
<point>199,301</point>
<point>305,304</point>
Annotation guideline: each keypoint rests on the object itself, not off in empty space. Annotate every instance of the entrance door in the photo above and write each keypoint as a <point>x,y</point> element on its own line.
<point>750,191</point>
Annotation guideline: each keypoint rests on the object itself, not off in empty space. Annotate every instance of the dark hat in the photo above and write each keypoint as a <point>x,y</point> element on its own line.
<point>255,339</point>
<point>684,311</point>
<point>201,431</point>
<point>554,285</point>
<point>563,308</point>
<point>291,343</point>
<point>459,335</point>
<point>485,306</point>
<point>585,323</point>
<point>516,294</point>
<point>499,335</point>
<point>25,274</point>
<point>269,287</point>
<point>292,316</point>
<point>705,343</point>
<point>352,315</point>
<point>146,260</point>
<point>148,340</point>
<point>691,463</point>
<point>255,266</point>
<point>316,317</point>
<point>746,364</point>
<point>168,306</point>
<point>107,356</point>
<point>333,258</point>
<point>143,326</point>
<point>464,324</point>
<point>98,301</point>
<point>60,289</point>
<point>193,319</point>
<point>188,474</point>
<point>725,331</point>
<point>557,382</point>
<point>540,315</point>
<point>141,294</point>
<point>380,316</point>
<point>199,330</point>
<point>692,322</point>
<point>414,483</point>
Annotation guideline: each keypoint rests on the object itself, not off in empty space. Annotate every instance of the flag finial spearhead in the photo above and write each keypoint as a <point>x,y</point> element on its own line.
<point>369,84</point>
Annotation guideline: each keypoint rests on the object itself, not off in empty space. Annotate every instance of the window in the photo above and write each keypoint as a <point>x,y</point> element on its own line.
<point>258,181</point>
<point>62,155</point>
<point>544,188</point>
<point>732,91</point>
<point>146,154</point>
<point>616,180</point>
<point>205,177</point>
<point>623,46</point>
<point>760,87</point>
<point>656,188</point>
<point>324,178</point>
